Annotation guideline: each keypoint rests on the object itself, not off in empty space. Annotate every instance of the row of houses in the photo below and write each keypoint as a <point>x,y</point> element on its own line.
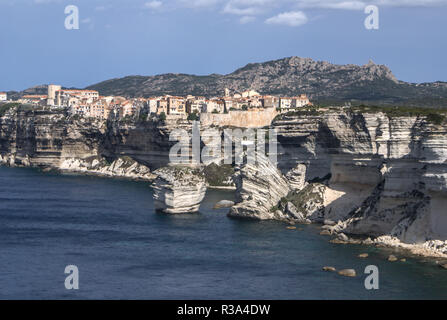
<point>89,103</point>
<point>245,101</point>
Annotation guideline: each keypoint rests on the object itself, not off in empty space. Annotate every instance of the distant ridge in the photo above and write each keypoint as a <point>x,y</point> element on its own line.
<point>323,82</point>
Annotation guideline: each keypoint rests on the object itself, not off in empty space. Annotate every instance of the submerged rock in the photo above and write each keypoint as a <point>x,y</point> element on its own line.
<point>178,190</point>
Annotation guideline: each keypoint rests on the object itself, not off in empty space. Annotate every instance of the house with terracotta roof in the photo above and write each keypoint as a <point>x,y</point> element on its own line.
<point>3,96</point>
<point>176,105</point>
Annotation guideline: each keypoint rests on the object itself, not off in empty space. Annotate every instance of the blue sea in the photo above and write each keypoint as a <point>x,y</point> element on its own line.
<point>125,250</point>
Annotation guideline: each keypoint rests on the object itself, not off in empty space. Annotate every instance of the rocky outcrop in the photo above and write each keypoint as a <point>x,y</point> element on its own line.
<point>387,172</point>
<point>259,188</point>
<point>297,177</point>
<point>178,190</point>
<point>120,168</point>
<point>53,139</point>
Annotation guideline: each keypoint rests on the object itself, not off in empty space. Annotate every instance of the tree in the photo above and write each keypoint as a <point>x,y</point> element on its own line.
<point>193,116</point>
<point>162,116</point>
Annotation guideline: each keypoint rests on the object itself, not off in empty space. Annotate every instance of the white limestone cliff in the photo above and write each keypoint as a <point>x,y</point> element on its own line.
<point>388,173</point>
<point>178,190</point>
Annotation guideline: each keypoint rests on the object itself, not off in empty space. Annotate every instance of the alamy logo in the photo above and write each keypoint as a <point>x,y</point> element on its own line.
<point>248,145</point>
<point>372,280</point>
<point>372,20</point>
<point>72,280</point>
<point>72,20</point>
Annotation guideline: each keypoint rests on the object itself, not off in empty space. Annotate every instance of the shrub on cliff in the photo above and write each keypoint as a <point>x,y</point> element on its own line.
<point>435,116</point>
<point>193,116</point>
<point>4,108</point>
<point>218,176</point>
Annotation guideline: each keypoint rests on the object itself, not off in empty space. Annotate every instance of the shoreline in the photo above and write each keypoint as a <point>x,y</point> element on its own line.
<point>420,251</point>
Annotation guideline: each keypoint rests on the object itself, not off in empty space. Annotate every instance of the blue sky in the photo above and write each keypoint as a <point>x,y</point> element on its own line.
<point>140,37</point>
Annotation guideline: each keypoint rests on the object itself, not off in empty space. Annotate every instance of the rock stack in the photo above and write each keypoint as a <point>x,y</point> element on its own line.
<point>178,190</point>
<point>260,187</point>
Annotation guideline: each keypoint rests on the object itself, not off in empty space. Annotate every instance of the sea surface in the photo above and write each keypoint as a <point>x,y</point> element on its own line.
<point>125,250</point>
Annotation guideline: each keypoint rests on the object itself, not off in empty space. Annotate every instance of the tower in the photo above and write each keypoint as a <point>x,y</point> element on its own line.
<point>52,88</point>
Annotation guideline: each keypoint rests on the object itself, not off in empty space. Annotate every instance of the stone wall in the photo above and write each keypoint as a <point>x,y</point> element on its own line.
<point>253,118</point>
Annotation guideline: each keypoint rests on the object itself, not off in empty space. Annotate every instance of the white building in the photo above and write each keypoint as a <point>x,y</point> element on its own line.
<point>249,94</point>
<point>52,89</point>
<point>3,96</point>
<point>153,104</point>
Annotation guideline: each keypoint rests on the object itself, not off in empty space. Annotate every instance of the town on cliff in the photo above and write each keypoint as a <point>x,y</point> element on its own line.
<point>90,104</point>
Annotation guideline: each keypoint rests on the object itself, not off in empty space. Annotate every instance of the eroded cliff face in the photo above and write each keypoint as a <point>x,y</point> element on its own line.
<point>371,173</point>
<point>44,138</point>
<point>388,174</point>
<point>52,139</point>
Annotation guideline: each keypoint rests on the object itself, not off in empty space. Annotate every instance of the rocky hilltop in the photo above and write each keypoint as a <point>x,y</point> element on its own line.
<point>321,81</point>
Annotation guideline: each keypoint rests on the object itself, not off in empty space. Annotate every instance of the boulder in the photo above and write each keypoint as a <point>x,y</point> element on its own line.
<point>330,269</point>
<point>223,204</point>
<point>342,237</point>
<point>392,258</point>
<point>347,273</point>
<point>295,215</point>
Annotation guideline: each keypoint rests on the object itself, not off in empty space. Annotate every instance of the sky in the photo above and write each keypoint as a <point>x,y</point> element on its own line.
<point>118,38</point>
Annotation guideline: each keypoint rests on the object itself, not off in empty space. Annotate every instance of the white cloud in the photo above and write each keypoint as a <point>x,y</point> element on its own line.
<point>153,5</point>
<point>45,1</point>
<point>248,7</point>
<point>246,19</point>
<point>292,19</point>
<point>360,5</point>
<point>199,3</point>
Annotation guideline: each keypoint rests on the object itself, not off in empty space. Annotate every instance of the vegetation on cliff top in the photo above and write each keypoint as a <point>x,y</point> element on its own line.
<point>5,107</point>
<point>432,115</point>
<point>436,116</point>
<point>218,176</point>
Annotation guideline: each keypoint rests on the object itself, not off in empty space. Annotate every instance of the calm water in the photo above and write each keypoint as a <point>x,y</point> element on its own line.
<point>124,250</point>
